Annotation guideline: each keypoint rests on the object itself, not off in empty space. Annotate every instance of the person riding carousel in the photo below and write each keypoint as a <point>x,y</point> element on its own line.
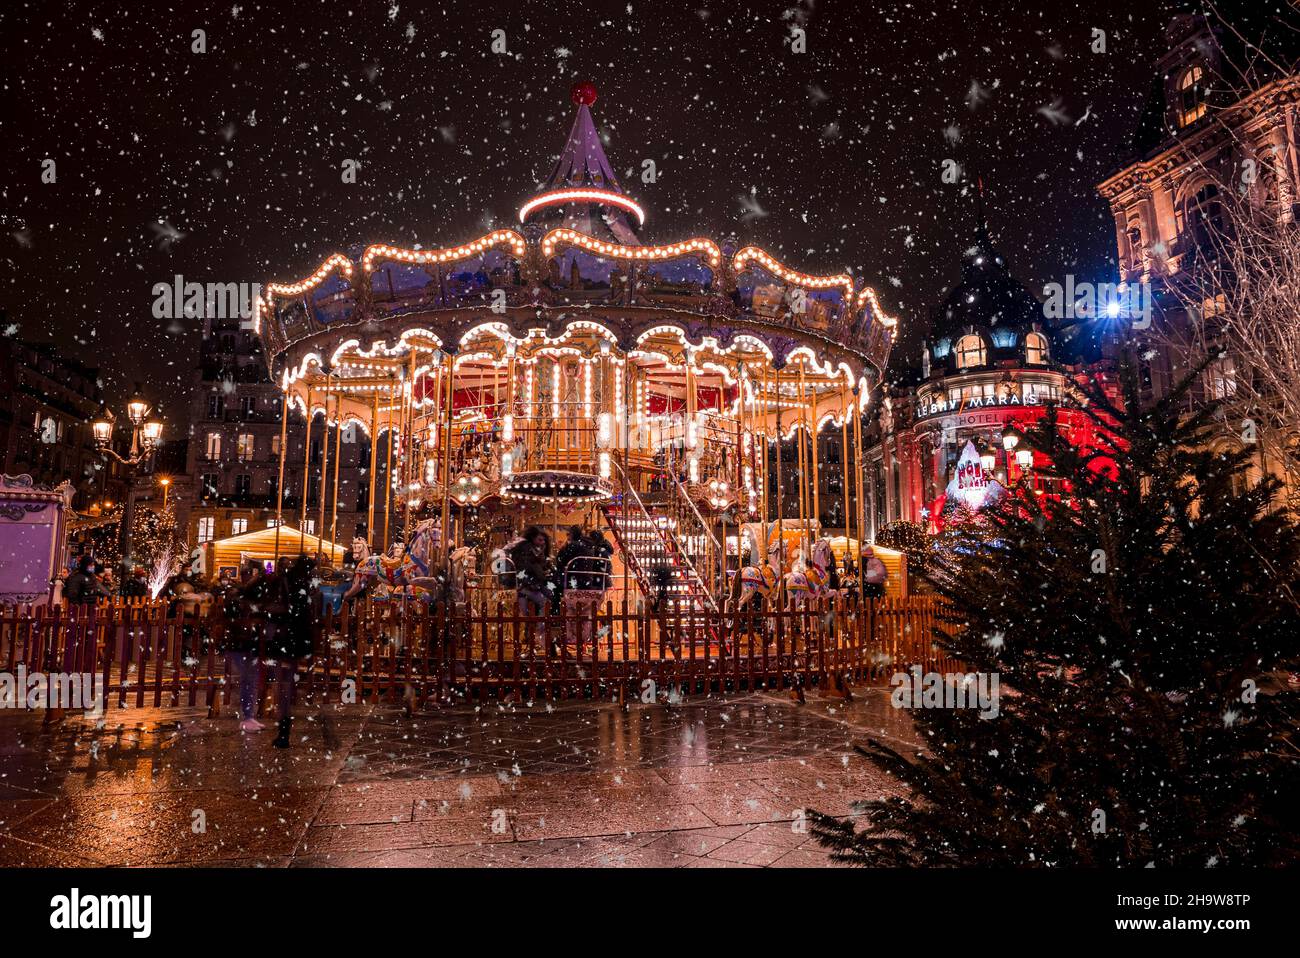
<point>531,556</point>
<point>582,579</point>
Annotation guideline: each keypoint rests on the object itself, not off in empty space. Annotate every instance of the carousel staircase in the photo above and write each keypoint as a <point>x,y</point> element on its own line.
<point>648,547</point>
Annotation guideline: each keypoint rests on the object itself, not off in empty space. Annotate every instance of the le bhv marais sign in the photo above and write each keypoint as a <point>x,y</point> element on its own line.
<point>945,407</point>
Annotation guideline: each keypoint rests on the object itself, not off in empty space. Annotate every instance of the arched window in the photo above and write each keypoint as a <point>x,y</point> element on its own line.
<point>970,352</point>
<point>1035,348</point>
<point>1191,96</point>
<point>1204,220</point>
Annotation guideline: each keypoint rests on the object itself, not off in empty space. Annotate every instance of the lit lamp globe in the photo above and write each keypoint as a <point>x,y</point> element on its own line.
<point>988,458</point>
<point>1011,437</point>
<point>102,426</point>
<point>1024,457</point>
<point>153,431</point>
<point>137,408</point>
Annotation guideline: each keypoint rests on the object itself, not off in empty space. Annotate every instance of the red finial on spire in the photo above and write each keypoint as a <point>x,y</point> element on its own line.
<point>583,93</point>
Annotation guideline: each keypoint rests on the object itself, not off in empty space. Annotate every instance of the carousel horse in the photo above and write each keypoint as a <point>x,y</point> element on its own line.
<point>757,583</point>
<point>407,566</point>
<point>808,582</point>
<point>459,565</point>
<point>805,587</point>
<point>823,556</point>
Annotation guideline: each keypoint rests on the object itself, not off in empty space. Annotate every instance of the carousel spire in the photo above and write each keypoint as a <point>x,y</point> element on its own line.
<point>583,192</point>
<point>583,161</point>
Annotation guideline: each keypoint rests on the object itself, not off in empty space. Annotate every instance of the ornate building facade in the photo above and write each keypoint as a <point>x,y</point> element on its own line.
<point>1220,116</point>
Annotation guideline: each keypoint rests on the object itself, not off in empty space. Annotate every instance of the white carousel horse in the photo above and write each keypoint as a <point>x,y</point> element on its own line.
<point>500,562</point>
<point>822,554</point>
<point>808,583</point>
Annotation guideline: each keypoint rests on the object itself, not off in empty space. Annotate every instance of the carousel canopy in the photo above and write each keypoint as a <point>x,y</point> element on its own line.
<point>574,277</point>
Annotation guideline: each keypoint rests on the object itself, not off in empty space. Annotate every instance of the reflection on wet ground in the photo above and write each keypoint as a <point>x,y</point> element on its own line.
<point>713,782</point>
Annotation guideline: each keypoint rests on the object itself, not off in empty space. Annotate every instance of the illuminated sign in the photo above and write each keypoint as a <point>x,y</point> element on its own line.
<point>971,486</point>
<point>942,406</point>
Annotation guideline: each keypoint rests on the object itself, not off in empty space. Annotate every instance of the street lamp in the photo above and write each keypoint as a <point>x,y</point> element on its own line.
<point>166,483</point>
<point>146,433</point>
<point>1011,437</point>
<point>137,408</point>
<point>102,426</point>
<point>988,458</point>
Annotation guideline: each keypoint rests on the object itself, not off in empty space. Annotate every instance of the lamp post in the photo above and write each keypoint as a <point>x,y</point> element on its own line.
<point>988,458</point>
<point>146,432</point>
<point>1011,438</point>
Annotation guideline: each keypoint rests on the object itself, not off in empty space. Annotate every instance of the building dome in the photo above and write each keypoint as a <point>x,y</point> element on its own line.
<point>988,318</point>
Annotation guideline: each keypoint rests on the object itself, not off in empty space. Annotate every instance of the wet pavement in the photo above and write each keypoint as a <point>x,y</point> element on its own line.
<point>712,782</point>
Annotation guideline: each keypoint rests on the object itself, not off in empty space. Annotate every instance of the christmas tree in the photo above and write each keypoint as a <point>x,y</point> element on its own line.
<point>1142,625</point>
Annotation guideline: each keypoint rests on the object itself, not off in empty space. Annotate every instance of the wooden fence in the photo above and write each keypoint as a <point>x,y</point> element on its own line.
<point>401,651</point>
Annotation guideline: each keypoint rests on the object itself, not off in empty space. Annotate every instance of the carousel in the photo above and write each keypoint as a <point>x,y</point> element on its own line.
<point>565,370</point>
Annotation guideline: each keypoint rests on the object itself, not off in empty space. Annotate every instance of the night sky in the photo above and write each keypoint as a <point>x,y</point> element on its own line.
<point>226,166</point>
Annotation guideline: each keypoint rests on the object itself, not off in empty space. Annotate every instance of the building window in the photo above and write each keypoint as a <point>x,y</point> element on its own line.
<point>310,527</point>
<point>209,481</point>
<point>49,429</point>
<point>238,526</point>
<point>247,405</point>
<point>245,445</point>
<point>1204,220</point>
<point>243,484</point>
<point>216,406</point>
<point>272,523</point>
<point>207,528</point>
<point>925,364</point>
<point>970,352</point>
<point>214,445</point>
<point>1191,96</point>
<point>275,446</point>
<point>1221,378</point>
<point>1035,348</point>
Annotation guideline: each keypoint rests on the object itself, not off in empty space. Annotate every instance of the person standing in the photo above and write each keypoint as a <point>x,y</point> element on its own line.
<point>246,628</point>
<point>135,586</point>
<point>566,568</point>
<point>532,560</point>
<point>293,639</point>
<point>874,573</point>
<point>83,587</point>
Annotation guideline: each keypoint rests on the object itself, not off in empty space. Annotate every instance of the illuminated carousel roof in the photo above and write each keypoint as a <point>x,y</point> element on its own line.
<point>553,286</point>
